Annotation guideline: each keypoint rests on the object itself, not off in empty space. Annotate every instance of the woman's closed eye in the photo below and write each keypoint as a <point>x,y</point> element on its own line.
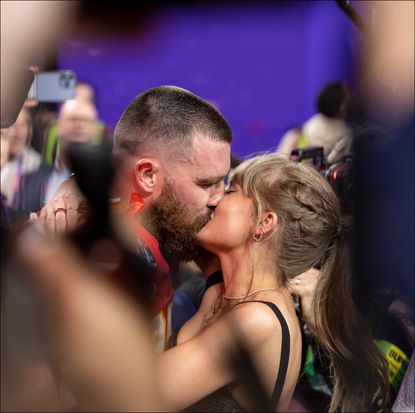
<point>229,191</point>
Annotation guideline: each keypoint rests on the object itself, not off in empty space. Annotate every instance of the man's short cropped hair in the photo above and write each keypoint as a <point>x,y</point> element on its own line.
<point>168,115</point>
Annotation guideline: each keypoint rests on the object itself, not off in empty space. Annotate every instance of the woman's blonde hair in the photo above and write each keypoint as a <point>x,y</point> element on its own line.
<point>310,232</point>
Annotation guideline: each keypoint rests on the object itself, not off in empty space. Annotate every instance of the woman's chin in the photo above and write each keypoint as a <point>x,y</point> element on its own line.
<point>203,239</point>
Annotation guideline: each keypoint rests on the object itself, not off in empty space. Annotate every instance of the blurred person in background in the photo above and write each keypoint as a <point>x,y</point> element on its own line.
<point>76,125</point>
<point>4,147</point>
<point>23,158</point>
<point>325,128</point>
<point>385,171</point>
<point>84,92</point>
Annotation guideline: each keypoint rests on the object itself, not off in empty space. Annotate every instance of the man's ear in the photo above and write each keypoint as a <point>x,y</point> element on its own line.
<point>147,173</point>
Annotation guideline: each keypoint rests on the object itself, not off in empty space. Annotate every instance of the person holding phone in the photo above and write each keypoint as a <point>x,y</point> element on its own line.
<point>76,124</point>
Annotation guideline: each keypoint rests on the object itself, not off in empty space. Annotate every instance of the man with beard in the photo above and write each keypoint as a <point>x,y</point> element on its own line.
<point>173,152</point>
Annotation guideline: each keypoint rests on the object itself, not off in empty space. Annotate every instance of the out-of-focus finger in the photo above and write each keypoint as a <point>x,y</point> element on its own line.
<point>45,210</point>
<point>38,224</point>
<point>292,290</point>
<point>71,219</point>
<point>50,221</point>
<point>61,221</point>
<point>72,201</point>
<point>30,103</point>
<point>311,275</point>
<point>59,202</point>
<point>42,218</point>
<point>294,286</point>
<point>59,208</point>
<point>33,217</point>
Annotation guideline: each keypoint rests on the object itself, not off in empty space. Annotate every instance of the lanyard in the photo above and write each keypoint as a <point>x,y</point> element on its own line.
<point>16,186</point>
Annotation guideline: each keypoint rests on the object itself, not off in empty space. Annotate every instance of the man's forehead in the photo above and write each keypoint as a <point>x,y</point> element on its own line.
<point>212,161</point>
<point>206,179</point>
<point>207,150</point>
<point>206,161</point>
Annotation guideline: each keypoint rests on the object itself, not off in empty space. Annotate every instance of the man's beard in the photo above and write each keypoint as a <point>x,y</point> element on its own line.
<point>173,225</point>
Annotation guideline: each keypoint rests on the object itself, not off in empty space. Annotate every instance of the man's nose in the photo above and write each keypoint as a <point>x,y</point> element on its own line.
<point>218,192</point>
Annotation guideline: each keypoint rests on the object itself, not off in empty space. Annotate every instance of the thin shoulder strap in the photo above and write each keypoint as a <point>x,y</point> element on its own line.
<point>285,350</point>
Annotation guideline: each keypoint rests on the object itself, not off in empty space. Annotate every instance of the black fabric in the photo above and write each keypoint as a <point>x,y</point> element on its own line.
<point>32,189</point>
<point>193,288</point>
<point>219,401</point>
<point>285,351</point>
<point>384,218</point>
<point>213,279</point>
<point>172,340</point>
<point>10,218</point>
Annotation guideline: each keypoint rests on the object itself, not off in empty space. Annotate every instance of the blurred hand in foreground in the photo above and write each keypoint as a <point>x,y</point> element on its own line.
<point>102,340</point>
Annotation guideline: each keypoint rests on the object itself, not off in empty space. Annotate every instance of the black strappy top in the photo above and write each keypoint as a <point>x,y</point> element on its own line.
<point>285,351</point>
<point>222,400</point>
<point>216,278</point>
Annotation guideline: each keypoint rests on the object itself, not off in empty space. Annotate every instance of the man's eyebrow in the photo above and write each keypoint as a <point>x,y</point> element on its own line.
<point>210,181</point>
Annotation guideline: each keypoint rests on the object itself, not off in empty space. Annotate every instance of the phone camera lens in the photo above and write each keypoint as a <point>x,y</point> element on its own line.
<point>66,80</point>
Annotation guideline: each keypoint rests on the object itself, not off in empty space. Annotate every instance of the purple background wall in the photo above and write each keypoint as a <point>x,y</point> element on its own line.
<point>261,64</point>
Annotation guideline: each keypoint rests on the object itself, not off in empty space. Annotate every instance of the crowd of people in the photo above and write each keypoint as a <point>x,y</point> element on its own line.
<point>278,317</point>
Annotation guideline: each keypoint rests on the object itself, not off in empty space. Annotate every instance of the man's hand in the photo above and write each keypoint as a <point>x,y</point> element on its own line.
<point>64,212</point>
<point>304,286</point>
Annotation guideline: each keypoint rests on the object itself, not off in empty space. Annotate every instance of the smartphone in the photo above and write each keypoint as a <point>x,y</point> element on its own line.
<point>53,86</point>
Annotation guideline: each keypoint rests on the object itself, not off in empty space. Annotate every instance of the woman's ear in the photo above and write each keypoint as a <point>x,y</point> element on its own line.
<point>268,222</point>
<point>266,226</point>
<point>147,176</point>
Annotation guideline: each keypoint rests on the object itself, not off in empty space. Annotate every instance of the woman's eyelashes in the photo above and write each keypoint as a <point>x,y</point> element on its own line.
<point>229,191</point>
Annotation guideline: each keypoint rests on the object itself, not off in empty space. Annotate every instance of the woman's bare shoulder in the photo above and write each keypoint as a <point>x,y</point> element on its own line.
<point>254,319</point>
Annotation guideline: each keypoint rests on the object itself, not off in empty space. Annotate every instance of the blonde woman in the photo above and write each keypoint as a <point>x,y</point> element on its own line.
<point>278,219</point>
